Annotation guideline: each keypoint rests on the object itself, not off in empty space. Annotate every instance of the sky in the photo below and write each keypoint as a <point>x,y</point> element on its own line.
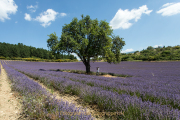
<point>141,23</point>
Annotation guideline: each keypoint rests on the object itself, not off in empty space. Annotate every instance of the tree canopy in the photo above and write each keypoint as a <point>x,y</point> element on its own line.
<point>90,38</point>
<point>52,41</point>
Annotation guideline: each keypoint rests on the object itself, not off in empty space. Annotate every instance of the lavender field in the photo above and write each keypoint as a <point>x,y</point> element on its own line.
<point>153,91</point>
<point>40,104</point>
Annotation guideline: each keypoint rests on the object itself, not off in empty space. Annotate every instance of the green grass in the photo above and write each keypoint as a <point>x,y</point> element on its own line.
<point>92,73</point>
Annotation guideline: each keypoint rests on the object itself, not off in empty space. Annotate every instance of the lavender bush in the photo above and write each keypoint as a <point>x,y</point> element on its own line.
<point>38,103</point>
<point>108,99</point>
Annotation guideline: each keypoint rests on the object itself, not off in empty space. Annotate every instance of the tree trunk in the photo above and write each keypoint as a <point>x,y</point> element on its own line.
<point>87,67</point>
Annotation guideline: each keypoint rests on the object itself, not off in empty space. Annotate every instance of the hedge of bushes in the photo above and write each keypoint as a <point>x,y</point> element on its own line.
<point>39,59</point>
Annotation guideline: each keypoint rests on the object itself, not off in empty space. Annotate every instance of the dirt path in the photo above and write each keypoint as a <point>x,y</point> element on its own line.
<point>9,104</point>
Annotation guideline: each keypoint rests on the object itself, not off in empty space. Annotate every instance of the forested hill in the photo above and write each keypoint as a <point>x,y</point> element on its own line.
<point>154,54</point>
<point>11,51</point>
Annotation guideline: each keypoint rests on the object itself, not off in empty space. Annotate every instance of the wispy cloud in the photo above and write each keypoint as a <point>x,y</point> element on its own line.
<point>63,14</point>
<point>7,7</point>
<point>167,4</point>
<point>32,8</point>
<point>46,17</point>
<point>169,9</point>
<point>127,50</point>
<point>156,46</point>
<point>16,22</point>
<point>27,17</point>
<point>122,17</point>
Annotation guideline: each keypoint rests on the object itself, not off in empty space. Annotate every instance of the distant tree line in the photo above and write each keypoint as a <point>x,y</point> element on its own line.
<point>14,51</point>
<point>154,54</point>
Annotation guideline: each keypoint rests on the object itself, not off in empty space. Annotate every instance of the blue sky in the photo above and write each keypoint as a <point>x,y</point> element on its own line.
<point>141,23</point>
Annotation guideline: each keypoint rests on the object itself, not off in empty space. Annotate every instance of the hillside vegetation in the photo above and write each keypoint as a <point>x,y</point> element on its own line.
<point>154,54</point>
<point>29,53</point>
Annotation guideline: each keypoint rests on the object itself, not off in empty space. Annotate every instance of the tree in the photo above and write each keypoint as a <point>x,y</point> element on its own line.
<point>15,51</point>
<point>90,38</point>
<point>150,48</point>
<point>52,41</point>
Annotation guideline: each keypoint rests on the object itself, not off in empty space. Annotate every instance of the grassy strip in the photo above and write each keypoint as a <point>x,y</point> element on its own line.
<point>39,59</point>
<point>92,73</point>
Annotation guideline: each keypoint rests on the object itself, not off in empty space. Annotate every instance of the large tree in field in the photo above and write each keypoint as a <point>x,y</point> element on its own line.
<point>90,38</point>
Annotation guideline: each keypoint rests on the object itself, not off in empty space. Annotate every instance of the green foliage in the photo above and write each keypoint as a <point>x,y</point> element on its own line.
<point>52,41</point>
<point>154,54</point>
<point>176,47</point>
<point>91,73</point>
<point>165,53</point>
<point>2,57</point>
<point>19,51</point>
<point>90,38</point>
<point>150,48</point>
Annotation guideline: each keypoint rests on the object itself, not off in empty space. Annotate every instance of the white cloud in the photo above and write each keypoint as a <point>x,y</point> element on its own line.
<point>16,22</point>
<point>156,46</point>
<point>169,9</point>
<point>7,7</point>
<point>32,8</point>
<point>167,4</point>
<point>46,17</point>
<point>75,56</point>
<point>63,14</point>
<point>127,50</point>
<point>27,17</point>
<point>122,17</point>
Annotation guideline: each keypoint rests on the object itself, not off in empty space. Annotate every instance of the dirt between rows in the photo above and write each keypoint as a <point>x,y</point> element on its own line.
<point>10,107</point>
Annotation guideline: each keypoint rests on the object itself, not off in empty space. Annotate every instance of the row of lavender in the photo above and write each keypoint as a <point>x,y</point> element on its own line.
<point>132,106</point>
<point>158,89</point>
<point>40,104</point>
<point>168,95</point>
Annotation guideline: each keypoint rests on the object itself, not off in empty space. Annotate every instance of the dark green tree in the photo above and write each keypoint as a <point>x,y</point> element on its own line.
<point>4,52</point>
<point>9,51</point>
<point>52,42</point>
<point>24,50</point>
<point>15,51</point>
<point>150,48</point>
<point>90,38</point>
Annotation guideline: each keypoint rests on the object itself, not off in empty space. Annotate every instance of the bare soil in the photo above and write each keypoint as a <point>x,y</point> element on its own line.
<point>10,107</point>
<point>109,76</point>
